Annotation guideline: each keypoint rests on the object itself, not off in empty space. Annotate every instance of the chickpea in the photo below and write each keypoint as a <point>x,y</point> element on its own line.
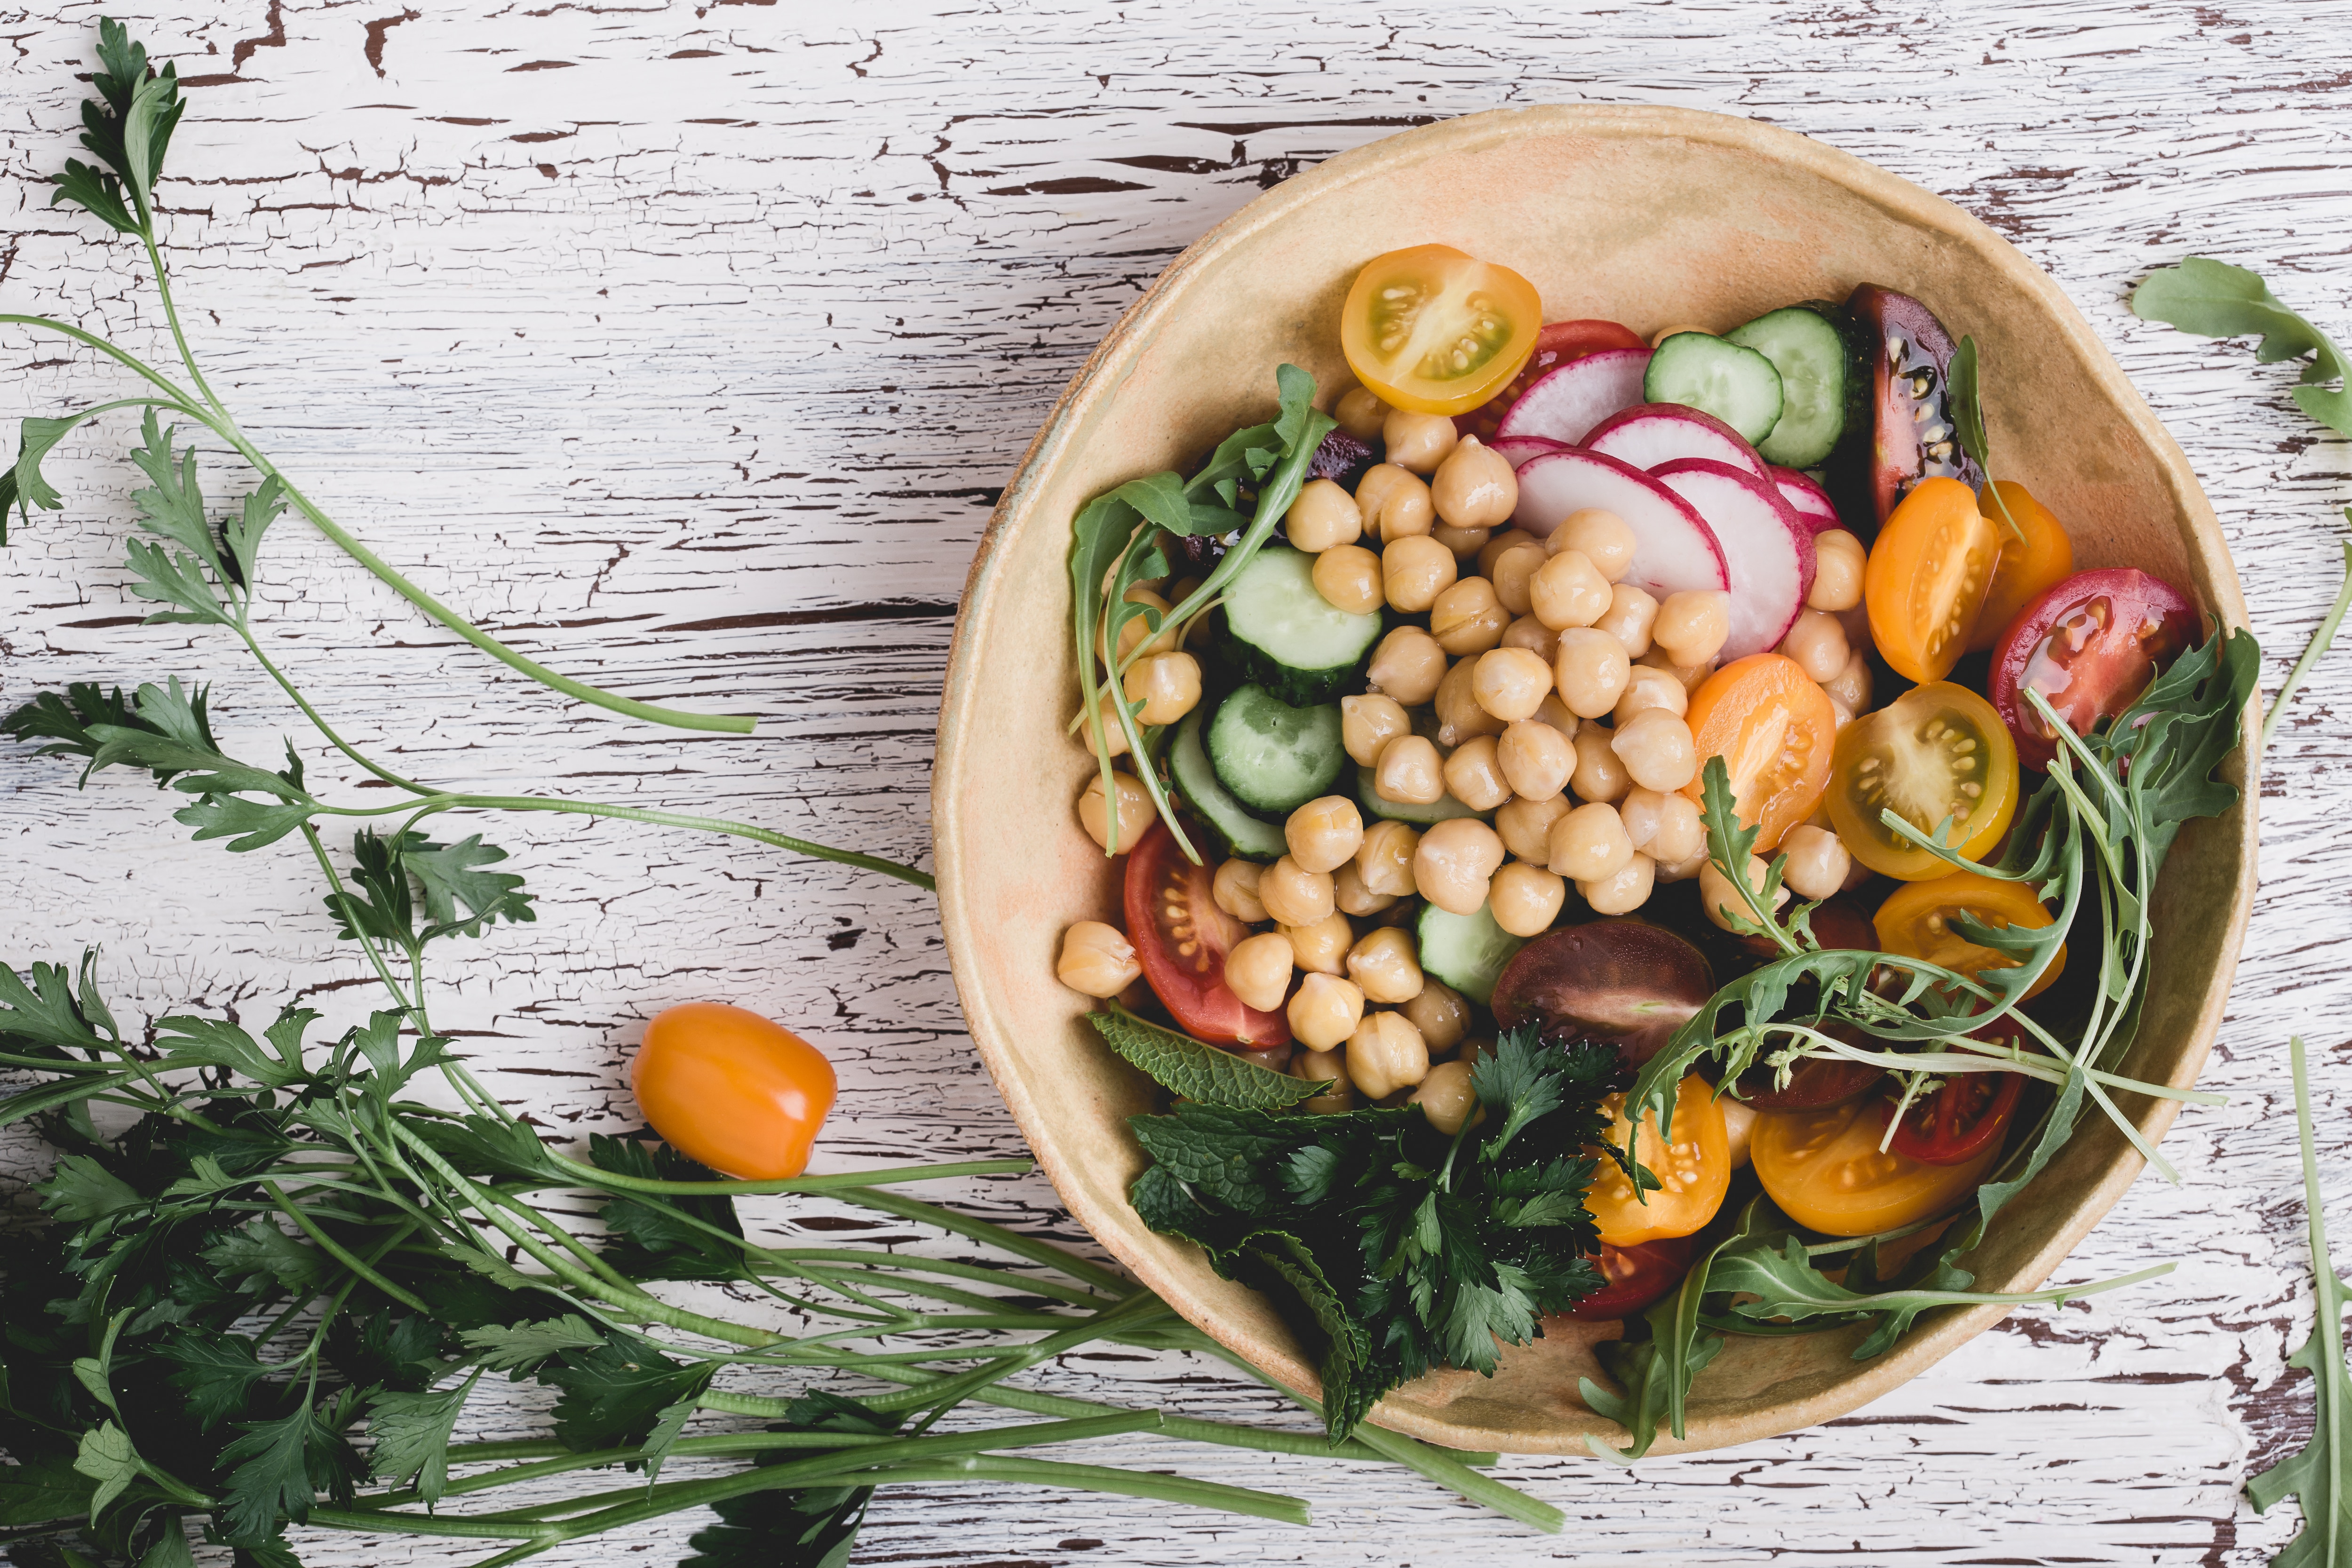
<point>1323,516</point>
<point>1662,824</point>
<point>1817,862</point>
<point>1360,413</point>
<point>1385,862</point>
<point>1258,970</point>
<point>1623,891</point>
<point>1513,575</point>
<point>1817,643</point>
<point>1647,687</point>
<point>1692,676</point>
<point>1590,670</point>
<point>1414,570</point>
<point>1524,824</point>
<point>1589,843</point>
<point>1532,635</point>
<point>1510,683</point>
<point>1138,627</point>
<point>1497,543</point>
<point>1419,442</point>
<point>1235,890</point>
<point>1851,685</point>
<point>1167,684</point>
<point>1460,715</point>
<point>1393,504</point>
<point>1525,899</point>
<point>1681,870</point>
<point>1839,561</point>
<point>1603,537</point>
<point>1324,1066</point>
<point>1385,1053</point>
<point>1348,578</point>
<point>1272,1058</point>
<point>1441,1013</point>
<point>1325,834</point>
<point>1474,487</point>
<point>1385,966</point>
<point>1537,761</point>
<point>1465,543</point>
<point>1368,722</point>
<point>1566,591</point>
<point>1599,772</point>
<point>1467,617</point>
<point>1629,617</point>
<point>1473,776</point>
<point>1446,1097</point>
<point>1656,749</point>
<point>1325,1011</point>
<point>1321,948</point>
<point>1292,894</point>
<point>1722,901</point>
<point>1407,665</point>
<point>1096,960</point>
<point>1409,773</point>
<point>1351,896</point>
<point>1551,710</point>
<point>1691,625</point>
<point>1454,863</point>
<point>1135,813</point>
<point>1739,1128</point>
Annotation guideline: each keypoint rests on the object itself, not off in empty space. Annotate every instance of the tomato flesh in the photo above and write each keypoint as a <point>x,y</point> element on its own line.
<point>738,1092</point>
<point>1556,344</point>
<point>1181,937</point>
<point>1695,1171</point>
<point>1437,331</point>
<point>1638,1277</point>
<point>1921,920</point>
<point>1826,1170</point>
<point>2089,646</point>
<point>1936,751</point>
<point>2029,568</point>
<point>1927,576</point>
<point>1970,1115</point>
<point>1774,730</point>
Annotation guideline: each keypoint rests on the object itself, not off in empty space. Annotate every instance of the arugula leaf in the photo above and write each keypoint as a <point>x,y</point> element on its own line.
<point>412,1436</point>
<point>1647,1369</point>
<point>1184,1066</point>
<point>616,1393</point>
<point>1160,498</point>
<point>281,1466</point>
<point>2215,300</point>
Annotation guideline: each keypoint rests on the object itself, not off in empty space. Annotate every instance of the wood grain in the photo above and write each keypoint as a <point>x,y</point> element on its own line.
<point>687,346</point>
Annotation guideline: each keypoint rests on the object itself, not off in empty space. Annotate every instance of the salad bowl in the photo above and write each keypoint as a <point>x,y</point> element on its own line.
<point>1652,218</point>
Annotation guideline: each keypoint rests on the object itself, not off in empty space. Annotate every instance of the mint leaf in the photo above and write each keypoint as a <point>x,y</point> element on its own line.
<point>1191,1070</point>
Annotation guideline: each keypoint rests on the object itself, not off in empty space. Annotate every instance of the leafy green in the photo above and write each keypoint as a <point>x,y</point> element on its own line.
<point>655,1236</point>
<point>411,1435</point>
<point>780,1527</point>
<point>521,1347</point>
<point>277,1467</point>
<point>2215,300</point>
<point>129,126</point>
<point>1190,1070</point>
<point>40,1490</point>
<point>35,438</point>
<point>215,1371</point>
<point>615,1392</point>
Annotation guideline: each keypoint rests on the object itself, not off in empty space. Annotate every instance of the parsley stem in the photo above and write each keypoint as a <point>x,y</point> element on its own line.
<point>391,1523</point>
<point>319,719</point>
<point>340,1254</point>
<point>145,371</point>
<point>595,1176</point>
<point>413,1005</point>
<point>2321,638</point>
<point>172,317</point>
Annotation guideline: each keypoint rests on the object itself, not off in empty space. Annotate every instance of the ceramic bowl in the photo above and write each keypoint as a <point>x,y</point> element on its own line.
<point>1648,216</point>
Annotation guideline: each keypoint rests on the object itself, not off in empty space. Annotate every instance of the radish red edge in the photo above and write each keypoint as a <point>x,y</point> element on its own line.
<point>1767,547</point>
<point>1649,434</point>
<point>1674,548</point>
<point>1806,498</point>
<point>1564,404</point>
<point>1519,449</point>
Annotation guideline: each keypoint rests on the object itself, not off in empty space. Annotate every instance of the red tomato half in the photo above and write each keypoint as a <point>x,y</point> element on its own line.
<point>1181,938</point>
<point>1639,1276</point>
<point>2090,645</point>
<point>1554,346</point>
<point>1966,1118</point>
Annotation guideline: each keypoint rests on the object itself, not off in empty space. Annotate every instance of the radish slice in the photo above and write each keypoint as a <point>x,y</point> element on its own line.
<point>1518,449</point>
<point>1649,434</point>
<point>1673,549</point>
<point>1767,547</point>
<point>1807,499</point>
<point>1564,404</point>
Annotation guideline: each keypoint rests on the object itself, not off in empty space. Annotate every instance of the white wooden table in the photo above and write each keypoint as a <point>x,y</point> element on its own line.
<point>688,347</point>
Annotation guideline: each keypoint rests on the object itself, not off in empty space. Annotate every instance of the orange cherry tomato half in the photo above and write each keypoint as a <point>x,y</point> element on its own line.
<point>1927,577</point>
<point>1557,343</point>
<point>1921,920</point>
<point>1775,731</point>
<point>1637,1278</point>
<point>1826,1170</point>
<point>1936,751</point>
<point>1181,938</point>
<point>1961,1121</point>
<point>1435,330</point>
<point>1695,1171</point>
<point>728,1087</point>
<point>2029,567</point>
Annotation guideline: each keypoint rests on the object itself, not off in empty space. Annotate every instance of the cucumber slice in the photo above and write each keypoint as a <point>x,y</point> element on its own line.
<point>1282,634</point>
<point>1272,757</point>
<point>1819,387</point>
<point>1467,952</point>
<point>1714,376</point>
<point>1445,810</point>
<point>1225,818</point>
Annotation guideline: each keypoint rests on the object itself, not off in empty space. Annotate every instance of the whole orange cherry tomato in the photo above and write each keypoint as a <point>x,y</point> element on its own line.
<point>1437,331</point>
<point>1927,577</point>
<point>742,1095</point>
<point>1696,1171</point>
<point>1774,730</point>
<point>2028,566</point>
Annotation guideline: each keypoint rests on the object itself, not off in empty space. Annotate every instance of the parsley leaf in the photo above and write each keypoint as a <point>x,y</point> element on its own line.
<point>520,1347</point>
<point>783,1527</point>
<point>616,1393</point>
<point>655,1240</point>
<point>281,1466</point>
<point>215,1371</point>
<point>411,1435</point>
<point>2215,300</point>
<point>42,1488</point>
<point>1184,1066</point>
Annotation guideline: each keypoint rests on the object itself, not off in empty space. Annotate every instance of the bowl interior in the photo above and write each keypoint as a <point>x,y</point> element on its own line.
<point>1650,217</point>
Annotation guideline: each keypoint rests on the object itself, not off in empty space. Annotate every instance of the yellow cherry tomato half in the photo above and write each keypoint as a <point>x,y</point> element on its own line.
<point>1921,920</point>
<point>728,1087</point>
<point>1695,1170</point>
<point>1936,751</point>
<point>2028,566</point>
<point>1435,330</point>
<point>1826,1170</point>
<point>1927,577</point>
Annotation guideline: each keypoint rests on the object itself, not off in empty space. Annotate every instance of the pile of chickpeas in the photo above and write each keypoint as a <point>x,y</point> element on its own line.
<point>1543,689</point>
